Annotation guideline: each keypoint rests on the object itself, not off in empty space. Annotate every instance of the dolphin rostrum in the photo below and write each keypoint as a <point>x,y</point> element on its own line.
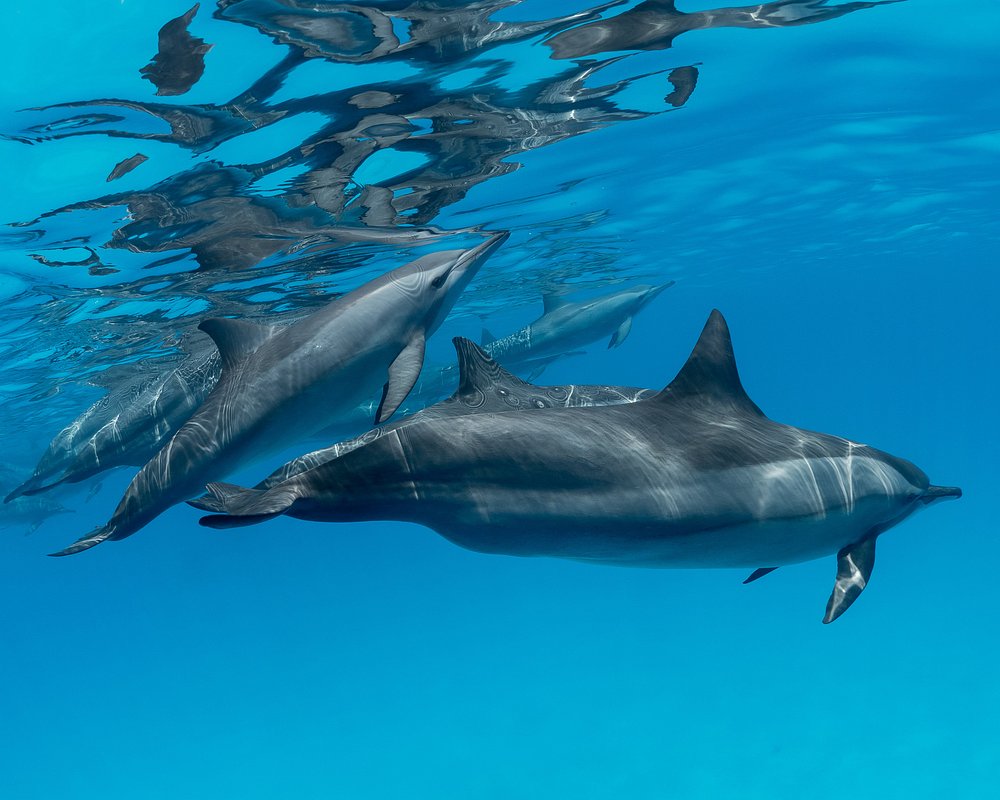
<point>566,325</point>
<point>695,476</point>
<point>483,387</point>
<point>278,387</point>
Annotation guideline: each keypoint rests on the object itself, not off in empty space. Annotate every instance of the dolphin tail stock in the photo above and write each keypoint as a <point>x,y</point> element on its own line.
<point>245,506</point>
<point>92,539</point>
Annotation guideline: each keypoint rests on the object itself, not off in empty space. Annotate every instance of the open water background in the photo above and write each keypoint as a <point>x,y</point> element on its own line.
<point>831,187</point>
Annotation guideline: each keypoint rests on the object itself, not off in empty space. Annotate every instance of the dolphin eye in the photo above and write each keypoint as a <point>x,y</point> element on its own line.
<point>438,282</point>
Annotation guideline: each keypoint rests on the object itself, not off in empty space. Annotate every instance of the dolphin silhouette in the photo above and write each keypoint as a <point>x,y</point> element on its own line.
<point>278,387</point>
<point>566,325</point>
<point>695,476</point>
<point>483,387</point>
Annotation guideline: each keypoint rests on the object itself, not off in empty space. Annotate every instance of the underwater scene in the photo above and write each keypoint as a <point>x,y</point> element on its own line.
<point>499,399</point>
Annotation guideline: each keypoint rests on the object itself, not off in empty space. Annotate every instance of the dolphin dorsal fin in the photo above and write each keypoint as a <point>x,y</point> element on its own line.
<point>486,338</point>
<point>710,372</point>
<point>477,372</point>
<point>235,338</point>
<point>553,300</point>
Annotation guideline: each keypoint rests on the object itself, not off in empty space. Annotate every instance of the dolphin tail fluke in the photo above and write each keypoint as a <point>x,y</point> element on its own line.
<point>246,506</point>
<point>95,537</point>
<point>217,498</point>
<point>854,568</point>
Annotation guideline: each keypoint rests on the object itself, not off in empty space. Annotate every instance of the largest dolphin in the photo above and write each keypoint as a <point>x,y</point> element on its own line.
<point>695,476</point>
<point>278,387</point>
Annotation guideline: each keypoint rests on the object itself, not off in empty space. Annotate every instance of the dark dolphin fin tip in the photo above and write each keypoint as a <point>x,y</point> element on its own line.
<point>710,372</point>
<point>486,338</point>
<point>92,539</point>
<point>757,574</point>
<point>477,371</point>
<point>854,569</point>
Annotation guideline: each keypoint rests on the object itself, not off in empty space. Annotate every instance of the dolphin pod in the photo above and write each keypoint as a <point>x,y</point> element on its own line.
<point>483,387</point>
<point>694,476</point>
<point>279,386</point>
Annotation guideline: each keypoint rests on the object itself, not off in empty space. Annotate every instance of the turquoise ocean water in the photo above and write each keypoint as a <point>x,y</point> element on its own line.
<point>825,174</point>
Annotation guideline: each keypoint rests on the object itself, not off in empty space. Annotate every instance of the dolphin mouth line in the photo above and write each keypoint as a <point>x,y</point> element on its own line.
<point>484,249</point>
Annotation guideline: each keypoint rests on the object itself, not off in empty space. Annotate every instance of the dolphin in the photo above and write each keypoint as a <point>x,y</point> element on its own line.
<point>695,476</point>
<point>566,325</point>
<point>125,427</point>
<point>26,512</point>
<point>484,387</point>
<point>278,387</point>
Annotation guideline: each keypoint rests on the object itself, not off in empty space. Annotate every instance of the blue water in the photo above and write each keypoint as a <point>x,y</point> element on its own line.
<point>832,187</point>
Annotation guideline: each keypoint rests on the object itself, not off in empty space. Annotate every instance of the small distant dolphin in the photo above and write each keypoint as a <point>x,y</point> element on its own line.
<point>483,387</point>
<point>278,387</point>
<point>125,427</point>
<point>26,512</point>
<point>695,476</point>
<point>566,325</point>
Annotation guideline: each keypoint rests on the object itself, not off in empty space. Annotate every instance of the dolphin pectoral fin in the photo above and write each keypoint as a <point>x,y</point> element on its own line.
<point>95,537</point>
<point>757,574</point>
<point>235,338</point>
<point>403,373</point>
<point>854,568</point>
<point>620,335</point>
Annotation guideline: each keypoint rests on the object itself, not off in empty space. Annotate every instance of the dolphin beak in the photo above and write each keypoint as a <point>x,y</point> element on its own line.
<point>473,259</point>
<point>932,493</point>
<point>656,291</point>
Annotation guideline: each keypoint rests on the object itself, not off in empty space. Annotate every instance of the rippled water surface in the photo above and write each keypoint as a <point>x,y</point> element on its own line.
<point>825,173</point>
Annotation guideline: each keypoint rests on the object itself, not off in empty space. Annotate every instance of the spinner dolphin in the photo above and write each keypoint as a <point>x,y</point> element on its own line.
<point>696,476</point>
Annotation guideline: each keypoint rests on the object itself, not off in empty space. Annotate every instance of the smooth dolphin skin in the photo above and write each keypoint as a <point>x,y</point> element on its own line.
<point>279,386</point>
<point>695,476</point>
<point>483,387</point>
<point>125,427</point>
<point>566,325</point>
